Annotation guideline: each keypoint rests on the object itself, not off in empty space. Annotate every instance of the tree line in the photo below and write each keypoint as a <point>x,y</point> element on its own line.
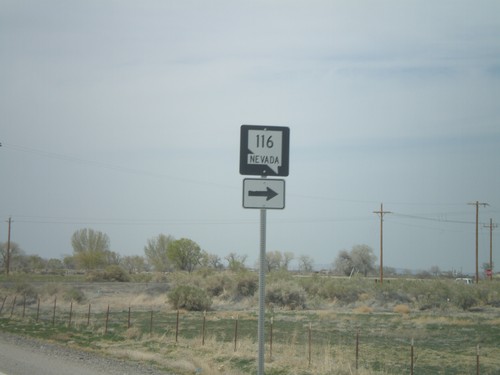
<point>164,253</point>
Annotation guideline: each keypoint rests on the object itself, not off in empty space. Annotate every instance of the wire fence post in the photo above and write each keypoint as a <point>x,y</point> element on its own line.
<point>236,332</point>
<point>70,314</point>
<point>477,359</point>
<point>411,355</point>
<point>24,305</point>
<point>128,320</point>
<point>38,310</point>
<point>177,328</point>
<point>13,305</point>
<point>54,311</point>
<point>271,340</point>
<point>88,316</point>
<point>107,320</point>
<point>151,323</point>
<point>310,343</point>
<point>357,349</point>
<point>3,303</point>
<point>203,328</point>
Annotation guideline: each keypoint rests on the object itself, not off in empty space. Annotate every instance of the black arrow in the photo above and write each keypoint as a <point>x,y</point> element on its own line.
<point>269,193</point>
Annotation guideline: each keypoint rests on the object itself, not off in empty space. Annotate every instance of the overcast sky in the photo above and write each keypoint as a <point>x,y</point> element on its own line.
<point>124,117</point>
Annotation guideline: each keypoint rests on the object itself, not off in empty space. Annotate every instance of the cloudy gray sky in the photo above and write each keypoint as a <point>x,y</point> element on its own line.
<point>124,117</point>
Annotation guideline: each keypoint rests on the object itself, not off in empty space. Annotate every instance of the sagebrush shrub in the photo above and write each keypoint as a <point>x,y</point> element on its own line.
<point>190,298</point>
<point>116,273</point>
<point>246,284</point>
<point>286,294</point>
<point>28,292</point>
<point>344,291</point>
<point>74,294</point>
<point>465,297</point>
<point>216,284</point>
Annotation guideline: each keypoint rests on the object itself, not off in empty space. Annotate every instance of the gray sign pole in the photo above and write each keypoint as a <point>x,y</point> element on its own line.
<point>264,151</point>
<point>262,289</point>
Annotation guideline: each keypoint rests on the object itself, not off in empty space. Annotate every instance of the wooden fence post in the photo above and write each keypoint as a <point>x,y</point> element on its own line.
<point>24,305</point>
<point>128,321</point>
<point>88,317</point>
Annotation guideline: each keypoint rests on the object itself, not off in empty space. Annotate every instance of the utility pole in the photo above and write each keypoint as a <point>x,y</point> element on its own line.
<point>7,262</point>
<point>491,226</point>
<point>477,204</point>
<point>382,213</point>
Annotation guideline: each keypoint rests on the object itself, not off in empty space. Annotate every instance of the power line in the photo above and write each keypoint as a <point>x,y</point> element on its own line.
<point>106,165</point>
<point>142,172</point>
<point>426,218</point>
<point>116,221</point>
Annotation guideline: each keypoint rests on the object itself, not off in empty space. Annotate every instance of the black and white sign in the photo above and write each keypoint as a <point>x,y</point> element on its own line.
<point>264,150</point>
<point>263,193</point>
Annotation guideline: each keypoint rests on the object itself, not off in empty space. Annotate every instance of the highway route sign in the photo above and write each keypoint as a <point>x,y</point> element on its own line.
<point>263,193</point>
<point>264,150</point>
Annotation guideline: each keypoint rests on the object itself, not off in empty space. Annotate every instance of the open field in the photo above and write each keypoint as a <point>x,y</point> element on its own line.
<point>323,338</point>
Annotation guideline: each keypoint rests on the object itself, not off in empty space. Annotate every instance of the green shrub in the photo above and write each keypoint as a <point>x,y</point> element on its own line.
<point>432,294</point>
<point>216,284</point>
<point>27,291</point>
<point>247,284</point>
<point>111,273</point>
<point>94,276</point>
<point>74,294</point>
<point>345,291</point>
<point>465,296</point>
<point>52,289</point>
<point>287,294</point>
<point>312,285</point>
<point>116,273</point>
<point>142,277</point>
<point>392,293</point>
<point>190,298</point>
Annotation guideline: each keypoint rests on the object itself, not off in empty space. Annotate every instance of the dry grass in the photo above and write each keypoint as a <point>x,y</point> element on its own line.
<point>384,332</point>
<point>402,309</point>
<point>363,309</point>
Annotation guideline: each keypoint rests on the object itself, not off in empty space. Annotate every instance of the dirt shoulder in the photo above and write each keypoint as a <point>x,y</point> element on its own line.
<point>21,355</point>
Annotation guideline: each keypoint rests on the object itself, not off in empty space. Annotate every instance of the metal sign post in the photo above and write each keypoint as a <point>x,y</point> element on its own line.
<point>264,151</point>
<point>262,291</point>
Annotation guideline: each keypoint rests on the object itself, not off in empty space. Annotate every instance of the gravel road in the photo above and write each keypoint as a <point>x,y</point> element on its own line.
<point>26,356</point>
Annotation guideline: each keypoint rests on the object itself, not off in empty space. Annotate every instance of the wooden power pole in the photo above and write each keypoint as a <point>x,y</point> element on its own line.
<point>381,213</point>
<point>491,226</point>
<point>7,260</point>
<point>477,204</point>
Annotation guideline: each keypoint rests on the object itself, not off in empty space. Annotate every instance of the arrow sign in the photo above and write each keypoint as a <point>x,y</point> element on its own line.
<point>263,193</point>
<point>269,193</point>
